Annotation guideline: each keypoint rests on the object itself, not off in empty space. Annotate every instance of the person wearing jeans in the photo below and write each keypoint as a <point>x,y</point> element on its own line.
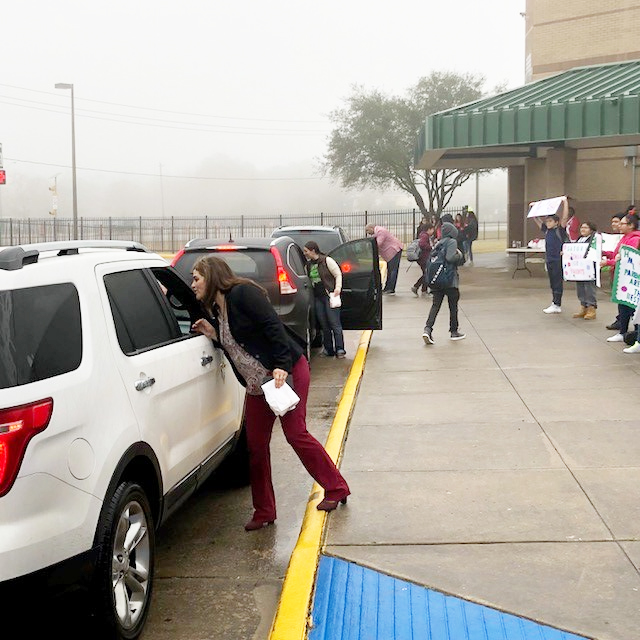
<point>326,279</point>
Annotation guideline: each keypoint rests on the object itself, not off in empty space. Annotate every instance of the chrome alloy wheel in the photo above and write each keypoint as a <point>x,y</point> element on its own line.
<point>130,567</point>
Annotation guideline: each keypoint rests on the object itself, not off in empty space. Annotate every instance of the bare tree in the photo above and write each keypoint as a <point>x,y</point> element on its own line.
<point>374,136</point>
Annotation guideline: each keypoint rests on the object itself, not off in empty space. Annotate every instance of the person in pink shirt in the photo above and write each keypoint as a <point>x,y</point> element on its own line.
<point>390,250</point>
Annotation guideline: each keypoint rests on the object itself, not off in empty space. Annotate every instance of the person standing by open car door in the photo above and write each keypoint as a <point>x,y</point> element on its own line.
<point>326,279</point>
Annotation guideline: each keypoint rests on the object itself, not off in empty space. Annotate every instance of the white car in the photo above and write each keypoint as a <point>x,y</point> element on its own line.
<point>111,414</point>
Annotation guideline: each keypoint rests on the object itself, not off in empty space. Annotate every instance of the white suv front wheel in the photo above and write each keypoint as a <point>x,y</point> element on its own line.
<point>124,571</point>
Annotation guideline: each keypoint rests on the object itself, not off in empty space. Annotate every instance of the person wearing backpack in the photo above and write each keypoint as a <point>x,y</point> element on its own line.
<point>442,279</point>
<point>425,244</point>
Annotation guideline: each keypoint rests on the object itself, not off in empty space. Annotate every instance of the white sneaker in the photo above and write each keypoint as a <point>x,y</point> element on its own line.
<point>616,337</point>
<point>553,308</point>
<point>633,349</point>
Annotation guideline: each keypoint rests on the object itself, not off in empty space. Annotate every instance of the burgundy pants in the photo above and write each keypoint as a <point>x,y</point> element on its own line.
<point>259,424</point>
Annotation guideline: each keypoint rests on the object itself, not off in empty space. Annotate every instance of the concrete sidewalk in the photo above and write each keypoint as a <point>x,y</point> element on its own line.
<point>503,468</point>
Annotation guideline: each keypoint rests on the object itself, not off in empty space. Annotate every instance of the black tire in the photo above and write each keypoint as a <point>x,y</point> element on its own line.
<point>124,571</point>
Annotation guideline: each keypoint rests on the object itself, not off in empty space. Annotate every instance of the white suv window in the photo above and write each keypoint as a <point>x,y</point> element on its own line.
<point>40,333</point>
<point>138,311</point>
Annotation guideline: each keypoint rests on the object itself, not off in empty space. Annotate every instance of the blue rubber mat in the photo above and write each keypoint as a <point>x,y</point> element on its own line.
<point>354,603</point>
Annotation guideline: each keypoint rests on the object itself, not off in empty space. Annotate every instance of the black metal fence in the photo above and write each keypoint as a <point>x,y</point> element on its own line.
<point>170,234</point>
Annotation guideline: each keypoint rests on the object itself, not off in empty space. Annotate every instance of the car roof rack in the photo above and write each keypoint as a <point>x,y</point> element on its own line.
<point>14,258</point>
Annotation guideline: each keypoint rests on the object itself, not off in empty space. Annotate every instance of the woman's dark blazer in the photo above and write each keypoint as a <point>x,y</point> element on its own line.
<point>256,327</point>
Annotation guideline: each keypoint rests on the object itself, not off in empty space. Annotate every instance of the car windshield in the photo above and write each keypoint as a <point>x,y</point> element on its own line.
<point>327,240</point>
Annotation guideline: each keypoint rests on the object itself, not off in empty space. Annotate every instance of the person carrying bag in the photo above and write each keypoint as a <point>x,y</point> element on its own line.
<point>326,279</point>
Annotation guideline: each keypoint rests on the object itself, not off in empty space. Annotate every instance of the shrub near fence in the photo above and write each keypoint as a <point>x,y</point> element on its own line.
<point>170,234</point>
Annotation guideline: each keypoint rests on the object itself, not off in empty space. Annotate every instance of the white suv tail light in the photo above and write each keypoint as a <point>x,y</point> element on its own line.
<point>17,426</point>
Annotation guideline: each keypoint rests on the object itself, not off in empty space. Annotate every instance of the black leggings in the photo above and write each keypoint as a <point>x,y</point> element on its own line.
<point>453,295</point>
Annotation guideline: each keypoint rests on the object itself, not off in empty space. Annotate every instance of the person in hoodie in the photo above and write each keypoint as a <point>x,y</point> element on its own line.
<point>454,257</point>
<point>631,238</point>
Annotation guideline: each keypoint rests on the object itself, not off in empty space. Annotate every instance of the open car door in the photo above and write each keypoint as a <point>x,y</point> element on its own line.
<point>361,284</point>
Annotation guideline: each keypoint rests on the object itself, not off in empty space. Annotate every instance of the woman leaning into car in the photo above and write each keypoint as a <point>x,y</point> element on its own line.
<point>245,325</point>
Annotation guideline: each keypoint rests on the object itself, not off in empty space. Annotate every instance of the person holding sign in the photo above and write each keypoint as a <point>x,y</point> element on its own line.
<point>555,236</point>
<point>631,238</point>
<point>586,289</point>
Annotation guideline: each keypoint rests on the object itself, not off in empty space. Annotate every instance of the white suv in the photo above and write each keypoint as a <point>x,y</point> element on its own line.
<point>111,414</point>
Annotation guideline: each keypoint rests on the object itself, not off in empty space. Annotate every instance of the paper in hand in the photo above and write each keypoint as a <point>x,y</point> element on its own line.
<point>280,400</point>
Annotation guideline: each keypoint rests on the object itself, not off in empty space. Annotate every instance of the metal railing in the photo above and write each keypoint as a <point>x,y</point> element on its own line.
<point>170,234</point>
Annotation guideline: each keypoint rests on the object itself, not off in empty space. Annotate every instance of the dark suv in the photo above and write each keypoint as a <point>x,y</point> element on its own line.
<point>278,264</point>
<point>327,237</point>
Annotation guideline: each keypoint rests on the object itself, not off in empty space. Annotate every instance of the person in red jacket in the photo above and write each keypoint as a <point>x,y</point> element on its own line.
<point>631,238</point>
<point>573,225</point>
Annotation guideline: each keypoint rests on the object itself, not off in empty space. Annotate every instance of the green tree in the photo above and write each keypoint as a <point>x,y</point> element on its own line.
<point>374,136</point>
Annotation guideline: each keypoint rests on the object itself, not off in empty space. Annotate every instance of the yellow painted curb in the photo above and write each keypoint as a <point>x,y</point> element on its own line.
<point>290,621</point>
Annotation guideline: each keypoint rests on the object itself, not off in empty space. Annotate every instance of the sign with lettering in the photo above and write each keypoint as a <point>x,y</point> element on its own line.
<point>626,279</point>
<point>544,208</point>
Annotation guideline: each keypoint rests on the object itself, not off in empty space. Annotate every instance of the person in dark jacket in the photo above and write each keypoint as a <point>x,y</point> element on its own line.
<point>470,234</point>
<point>555,235</point>
<point>326,279</point>
<point>242,322</point>
<point>454,257</point>
<point>425,242</point>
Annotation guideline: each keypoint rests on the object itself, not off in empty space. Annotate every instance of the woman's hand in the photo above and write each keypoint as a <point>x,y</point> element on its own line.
<point>336,291</point>
<point>205,328</point>
<point>279,376</point>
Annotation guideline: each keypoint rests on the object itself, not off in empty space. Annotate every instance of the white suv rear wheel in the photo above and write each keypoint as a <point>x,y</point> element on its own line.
<point>126,562</point>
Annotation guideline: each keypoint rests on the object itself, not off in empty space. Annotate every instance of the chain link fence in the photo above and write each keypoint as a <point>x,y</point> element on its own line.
<point>171,234</point>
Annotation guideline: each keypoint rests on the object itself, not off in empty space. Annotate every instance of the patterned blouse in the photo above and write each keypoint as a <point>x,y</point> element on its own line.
<point>250,369</point>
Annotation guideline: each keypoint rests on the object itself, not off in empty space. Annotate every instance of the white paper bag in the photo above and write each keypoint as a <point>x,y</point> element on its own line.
<point>280,400</point>
<point>334,300</point>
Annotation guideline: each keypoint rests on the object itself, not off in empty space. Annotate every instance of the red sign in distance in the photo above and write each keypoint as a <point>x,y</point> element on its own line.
<point>3,176</point>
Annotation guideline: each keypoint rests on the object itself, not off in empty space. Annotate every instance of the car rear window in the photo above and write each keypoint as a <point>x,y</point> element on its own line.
<point>327,240</point>
<point>256,264</point>
<point>40,333</point>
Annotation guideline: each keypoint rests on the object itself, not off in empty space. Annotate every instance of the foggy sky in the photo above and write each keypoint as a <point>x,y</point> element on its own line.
<point>220,108</point>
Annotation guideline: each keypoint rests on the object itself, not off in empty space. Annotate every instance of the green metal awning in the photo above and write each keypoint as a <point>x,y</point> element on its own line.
<point>585,107</point>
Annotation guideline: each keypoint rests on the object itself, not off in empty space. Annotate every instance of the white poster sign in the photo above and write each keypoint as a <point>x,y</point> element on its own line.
<point>626,281</point>
<point>544,208</point>
<point>577,262</point>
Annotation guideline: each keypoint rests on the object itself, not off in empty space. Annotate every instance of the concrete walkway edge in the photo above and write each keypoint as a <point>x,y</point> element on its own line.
<point>290,621</point>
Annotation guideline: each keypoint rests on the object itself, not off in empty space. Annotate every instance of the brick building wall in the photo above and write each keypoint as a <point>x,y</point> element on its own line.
<point>576,33</point>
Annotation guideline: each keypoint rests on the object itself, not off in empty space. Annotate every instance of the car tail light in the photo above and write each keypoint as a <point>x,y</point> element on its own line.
<point>177,257</point>
<point>227,247</point>
<point>17,426</point>
<point>284,281</point>
<point>345,267</point>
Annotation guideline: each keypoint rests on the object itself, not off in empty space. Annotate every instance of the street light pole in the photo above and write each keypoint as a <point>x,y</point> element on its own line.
<point>64,85</point>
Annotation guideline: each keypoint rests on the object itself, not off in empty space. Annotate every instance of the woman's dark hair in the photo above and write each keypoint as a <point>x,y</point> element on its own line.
<point>218,276</point>
<point>632,219</point>
<point>312,245</point>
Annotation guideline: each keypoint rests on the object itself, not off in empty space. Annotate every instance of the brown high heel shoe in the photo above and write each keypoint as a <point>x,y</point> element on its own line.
<point>330,505</point>
<point>254,524</point>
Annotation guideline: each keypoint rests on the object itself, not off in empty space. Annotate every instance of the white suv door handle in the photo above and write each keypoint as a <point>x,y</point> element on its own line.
<point>144,383</point>
<point>205,360</point>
